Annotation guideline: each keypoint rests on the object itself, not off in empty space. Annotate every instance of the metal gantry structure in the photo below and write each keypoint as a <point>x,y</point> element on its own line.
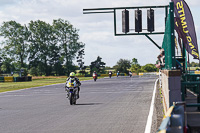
<point>114,10</point>
<point>169,46</point>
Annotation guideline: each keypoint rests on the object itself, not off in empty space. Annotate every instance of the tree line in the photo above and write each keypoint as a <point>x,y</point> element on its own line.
<point>40,47</point>
<point>123,66</point>
<point>193,64</point>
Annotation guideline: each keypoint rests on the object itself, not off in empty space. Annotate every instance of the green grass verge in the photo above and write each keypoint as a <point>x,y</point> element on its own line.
<point>10,86</point>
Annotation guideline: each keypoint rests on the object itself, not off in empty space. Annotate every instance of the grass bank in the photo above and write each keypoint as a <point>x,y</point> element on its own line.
<point>10,86</point>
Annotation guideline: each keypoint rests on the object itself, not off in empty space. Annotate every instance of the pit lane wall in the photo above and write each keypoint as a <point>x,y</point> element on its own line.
<point>170,81</point>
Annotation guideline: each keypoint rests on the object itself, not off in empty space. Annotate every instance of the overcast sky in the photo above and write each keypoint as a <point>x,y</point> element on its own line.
<point>97,30</point>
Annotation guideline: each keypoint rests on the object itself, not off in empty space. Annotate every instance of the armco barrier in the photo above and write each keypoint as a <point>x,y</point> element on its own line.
<point>16,79</point>
<point>87,75</point>
<point>1,79</point>
<point>104,75</point>
<point>26,78</point>
<point>22,79</point>
<point>175,120</point>
<point>149,73</point>
<point>140,74</point>
<point>81,76</point>
<point>8,79</point>
<point>29,78</point>
<point>196,72</point>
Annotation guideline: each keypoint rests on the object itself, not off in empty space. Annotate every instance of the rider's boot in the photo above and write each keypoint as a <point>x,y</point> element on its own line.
<point>78,92</point>
<point>67,95</point>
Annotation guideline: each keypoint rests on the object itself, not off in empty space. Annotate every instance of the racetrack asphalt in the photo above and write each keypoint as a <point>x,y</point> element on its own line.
<point>109,105</point>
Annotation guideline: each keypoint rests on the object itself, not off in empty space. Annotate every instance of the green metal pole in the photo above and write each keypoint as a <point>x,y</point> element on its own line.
<point>172,60</point>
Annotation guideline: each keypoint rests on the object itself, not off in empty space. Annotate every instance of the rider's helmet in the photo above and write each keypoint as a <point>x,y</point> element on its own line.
<point>72,75</point>
<point>94,71</point>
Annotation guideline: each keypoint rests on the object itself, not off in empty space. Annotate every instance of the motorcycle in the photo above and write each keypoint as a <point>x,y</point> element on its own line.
<point>94,76</point>
<point>117,74</point>
<point>72,91</point>
<point>110,74</point>
<point>130,74</point>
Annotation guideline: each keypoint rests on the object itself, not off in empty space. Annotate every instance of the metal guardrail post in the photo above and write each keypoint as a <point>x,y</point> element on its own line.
<point>172,61</point>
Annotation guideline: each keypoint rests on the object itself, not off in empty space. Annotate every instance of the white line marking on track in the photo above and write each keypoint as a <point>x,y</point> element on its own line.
<point>149,119</point>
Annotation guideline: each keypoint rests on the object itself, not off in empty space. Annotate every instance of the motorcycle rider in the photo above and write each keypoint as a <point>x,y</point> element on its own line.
<point>73,77</point>
<point>94,75</point>
<point>130,73</point>
<point>117,73</point>
<point>95,72</point>
<point>110,74</point>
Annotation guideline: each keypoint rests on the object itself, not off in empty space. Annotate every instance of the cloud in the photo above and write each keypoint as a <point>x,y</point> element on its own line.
<point>97,30</point>
<point>194,3</point>
<point>111,49</point>
<point>7,3</point>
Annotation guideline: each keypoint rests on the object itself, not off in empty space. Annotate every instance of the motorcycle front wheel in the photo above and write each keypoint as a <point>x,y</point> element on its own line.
<point>71,98</point>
